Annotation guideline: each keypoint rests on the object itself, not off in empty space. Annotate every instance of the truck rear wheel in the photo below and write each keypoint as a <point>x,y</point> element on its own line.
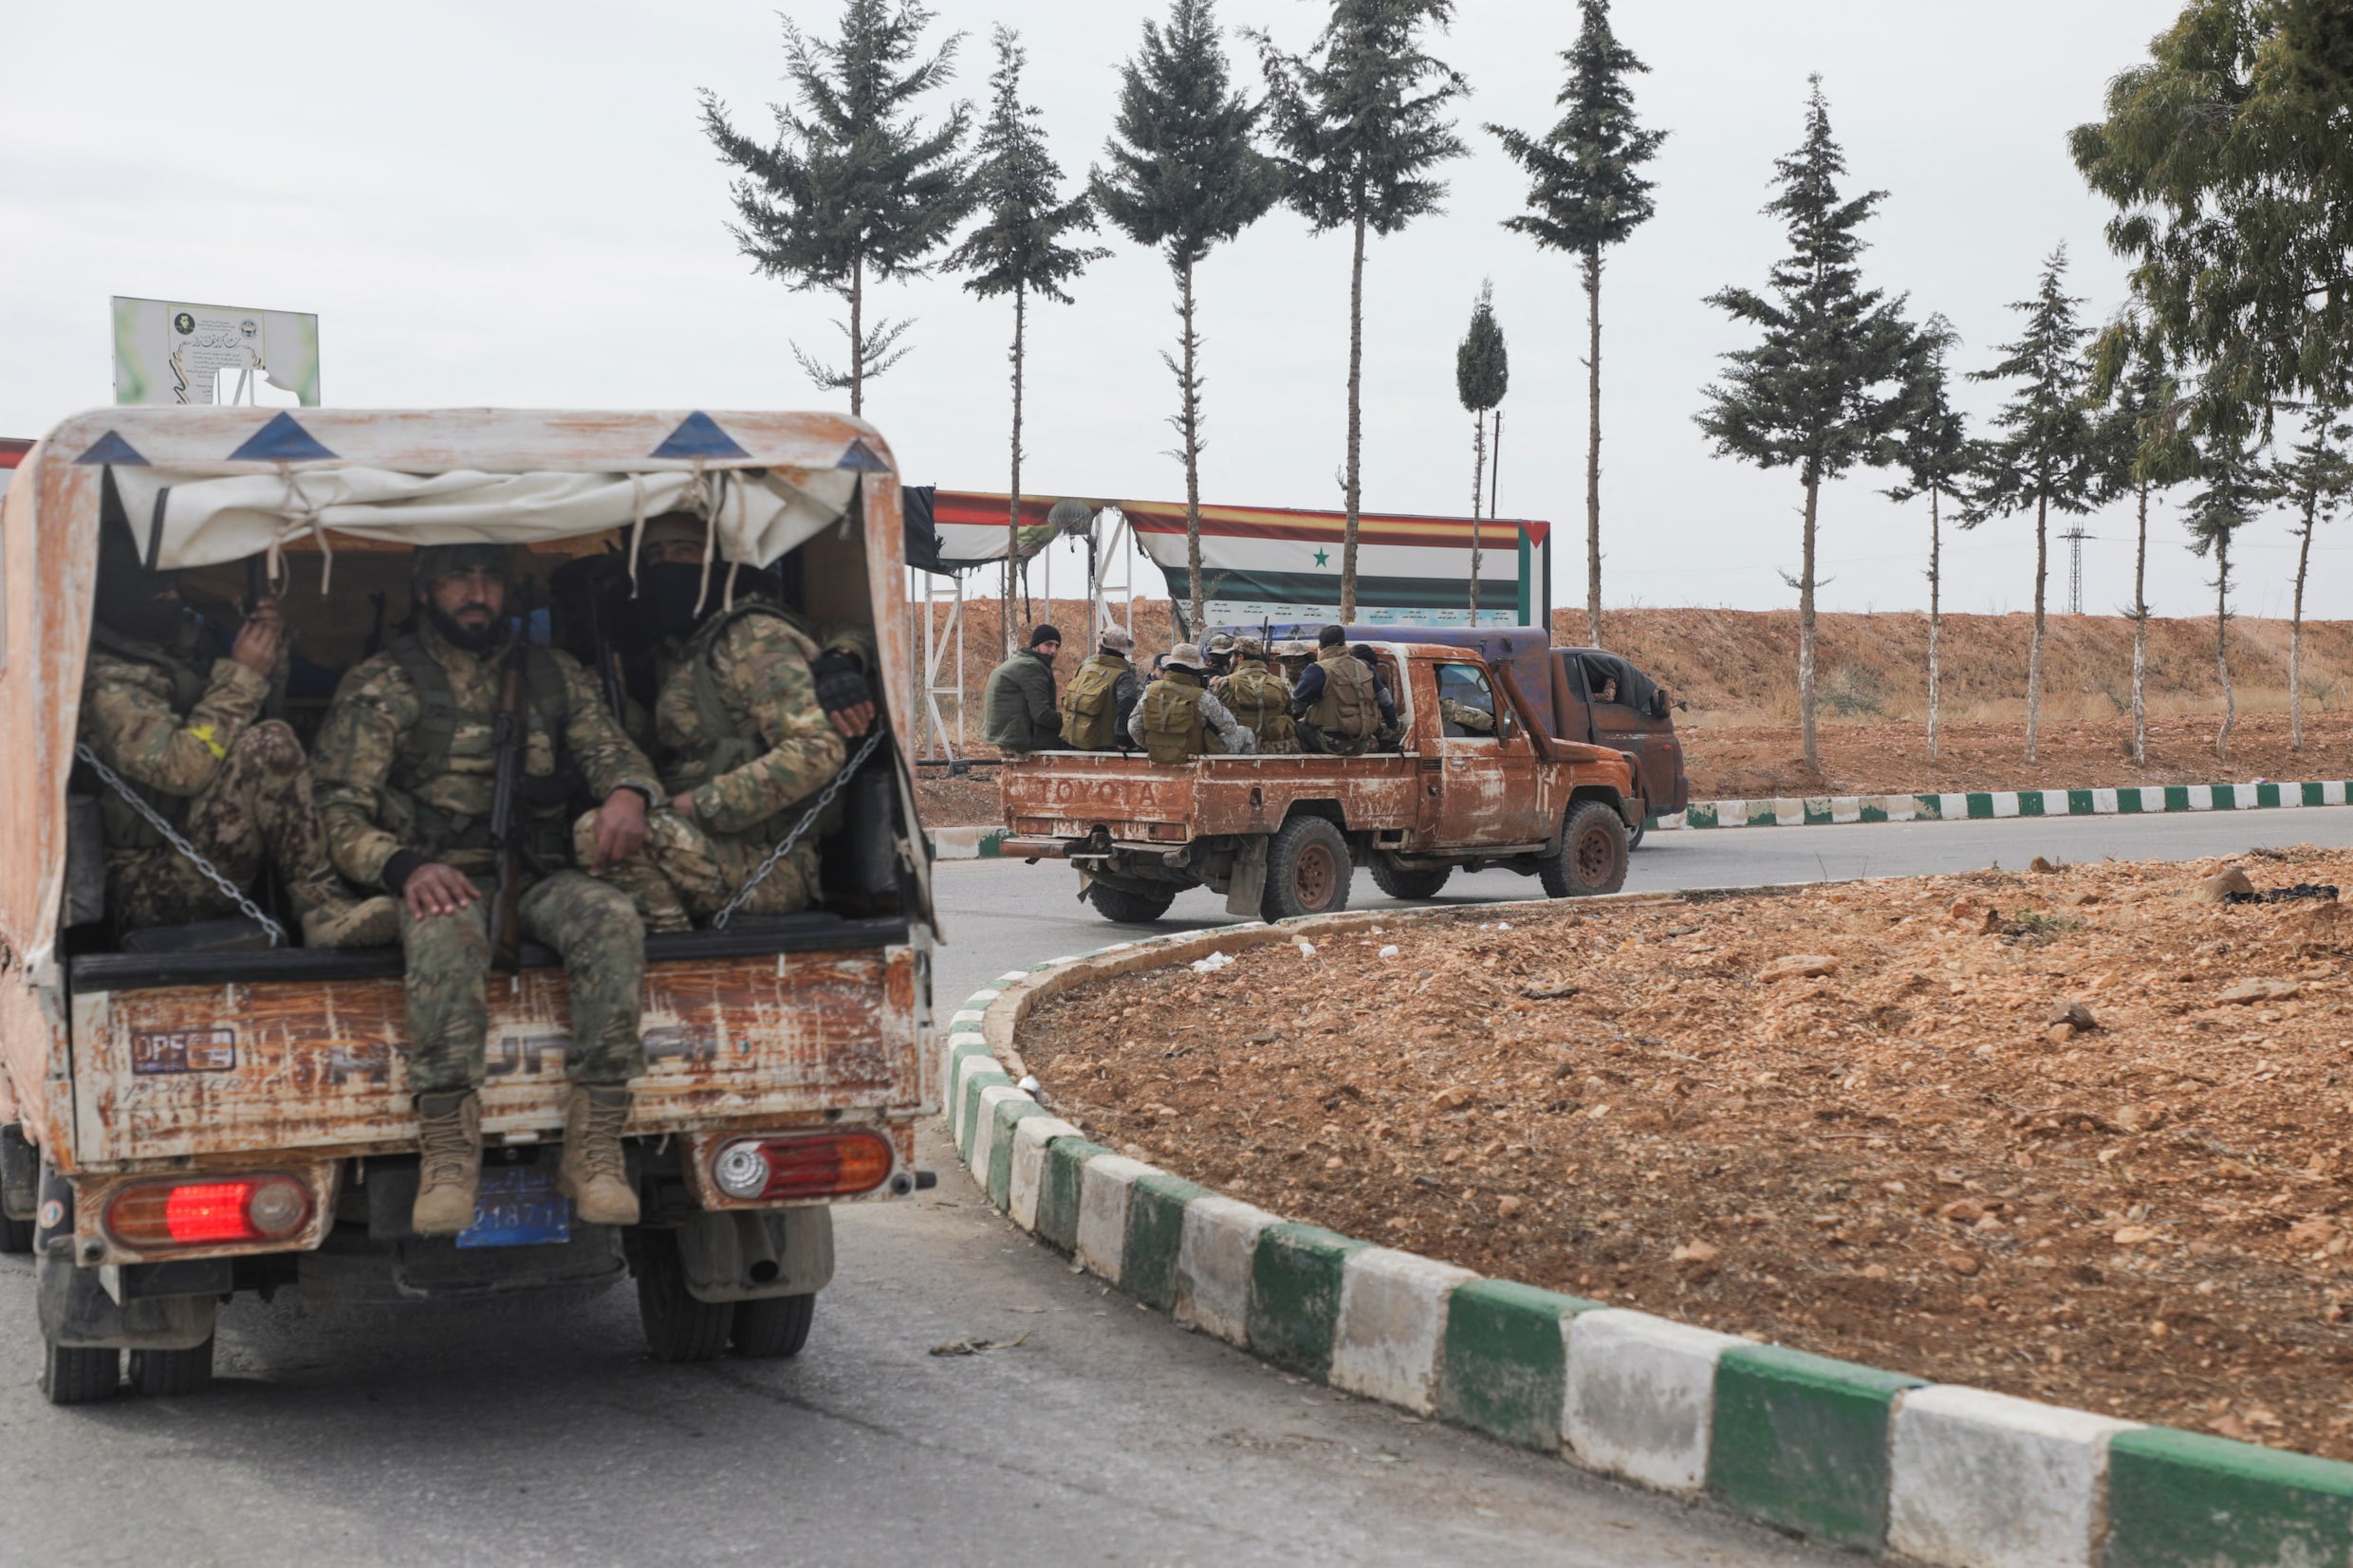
<point>1641,827</point>
<point>1123,908</point>
<point>77,1375</point>
<point>1415,882</point>
<point>679,1328</point>
<point>773,1326</point>
<point>167,1374</point>
<point>1307,870</point>
<point>1592,857</point>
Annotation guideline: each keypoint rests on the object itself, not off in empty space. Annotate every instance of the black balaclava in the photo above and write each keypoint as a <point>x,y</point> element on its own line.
<point>132,601</point>
<point>667,592</point>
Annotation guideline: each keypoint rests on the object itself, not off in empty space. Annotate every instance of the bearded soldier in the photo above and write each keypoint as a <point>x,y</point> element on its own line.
<point>749,719</point>
<point>182,728</point>
<point>407,764</point>
<point>1173,720</point>
<point>1259,698</point>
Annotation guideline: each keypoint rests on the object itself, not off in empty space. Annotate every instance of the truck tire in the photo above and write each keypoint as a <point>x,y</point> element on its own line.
<point>168,1374</point>
<point>679,1328</point>
<point>1415,882</point>
<point>773,1327</point>
<point>1641,825</point>
<point>1307,870</point>
<point>75,1374</point>
<point>1123,908</point>
<point>1593,854</point>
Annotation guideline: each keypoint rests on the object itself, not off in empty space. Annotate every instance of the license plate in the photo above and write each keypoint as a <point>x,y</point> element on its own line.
<point>519,1205</point>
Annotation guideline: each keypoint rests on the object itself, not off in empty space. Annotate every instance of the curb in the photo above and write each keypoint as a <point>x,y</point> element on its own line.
<point>1836,1451</point>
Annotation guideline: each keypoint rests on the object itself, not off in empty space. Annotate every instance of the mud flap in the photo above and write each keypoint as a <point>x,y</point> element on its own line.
<point>1247,891</point>
<point>77,1310</point>
<point>743,1255</point>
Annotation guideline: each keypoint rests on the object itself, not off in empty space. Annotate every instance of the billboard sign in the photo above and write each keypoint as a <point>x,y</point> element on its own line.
<point>172,351</point>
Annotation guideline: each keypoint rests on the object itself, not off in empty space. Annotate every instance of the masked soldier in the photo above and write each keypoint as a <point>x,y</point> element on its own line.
<point>182,728</point>
<point>746,736</point>
<point>1173,720</point>
<point>1259,698</point>
<point>1102,697</point>
<point>1341,704</point>
<point>407,764</point>
<point>1220,651</point>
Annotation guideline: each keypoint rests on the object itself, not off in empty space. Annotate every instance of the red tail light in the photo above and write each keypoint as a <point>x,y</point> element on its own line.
<point>208,1213</point>
<point>825,1164</point>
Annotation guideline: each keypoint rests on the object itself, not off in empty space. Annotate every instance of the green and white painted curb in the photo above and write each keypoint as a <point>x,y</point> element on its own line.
<point>1844,1453</point>
<point>1989,804</point>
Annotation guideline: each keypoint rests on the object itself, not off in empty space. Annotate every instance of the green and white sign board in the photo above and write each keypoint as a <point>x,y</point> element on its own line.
<point>173,351</point>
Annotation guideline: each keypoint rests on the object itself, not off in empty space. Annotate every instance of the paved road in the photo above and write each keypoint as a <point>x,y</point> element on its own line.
<point>1107,1436</point>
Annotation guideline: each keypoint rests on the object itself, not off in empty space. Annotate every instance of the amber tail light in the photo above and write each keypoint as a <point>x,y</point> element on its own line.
<point>827,1165</point>
<point>208,1213</point>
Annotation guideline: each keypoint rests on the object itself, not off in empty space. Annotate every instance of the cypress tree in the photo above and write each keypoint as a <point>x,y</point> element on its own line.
<point>2140,450</point>
<point>1825,388</point>
<point>1358,125</point>
<point>853,190</point>
<point>2046,459</point>
<point>1933,448</point>
<point>1482,374</point>
<point>1021,245</point>
<point>1584,195</point>
<point>2314,478</point>
<point>1184,176</point>
<point>2237,488</point>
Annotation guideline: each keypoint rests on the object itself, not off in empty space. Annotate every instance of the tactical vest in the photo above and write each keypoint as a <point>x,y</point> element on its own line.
<point>425,749</point>
<point>726,743</point>
<point>1261,701</point>
<point>1090,705</point>
<point>1173,726</point>
<point>126,828</point>
<point>1347,706</point>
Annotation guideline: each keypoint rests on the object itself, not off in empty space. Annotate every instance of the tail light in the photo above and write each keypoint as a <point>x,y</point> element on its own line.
<point>209,1212</point>
<point>824,1164</point>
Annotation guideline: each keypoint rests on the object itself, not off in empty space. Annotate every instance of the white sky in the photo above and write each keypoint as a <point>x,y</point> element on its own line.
<point>512,205</point>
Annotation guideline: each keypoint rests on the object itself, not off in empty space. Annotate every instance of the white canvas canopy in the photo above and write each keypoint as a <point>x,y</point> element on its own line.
<point>186,518</point>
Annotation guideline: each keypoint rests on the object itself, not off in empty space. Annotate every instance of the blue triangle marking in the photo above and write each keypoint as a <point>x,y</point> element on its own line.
<point>860,456</point>
<point>699,436</point>
<point>112,448</point>
<point>279,441</point>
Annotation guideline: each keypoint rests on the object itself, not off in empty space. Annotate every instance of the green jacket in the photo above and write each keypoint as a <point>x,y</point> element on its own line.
<point>1019,709</point>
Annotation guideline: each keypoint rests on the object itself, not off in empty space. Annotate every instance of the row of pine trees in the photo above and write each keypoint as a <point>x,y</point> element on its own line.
<point>2226,156</point>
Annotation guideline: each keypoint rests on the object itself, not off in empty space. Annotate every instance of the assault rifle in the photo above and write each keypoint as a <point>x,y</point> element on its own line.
<point>508,735</point>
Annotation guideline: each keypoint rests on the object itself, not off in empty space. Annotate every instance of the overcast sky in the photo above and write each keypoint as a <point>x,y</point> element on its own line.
<point>512,203</point>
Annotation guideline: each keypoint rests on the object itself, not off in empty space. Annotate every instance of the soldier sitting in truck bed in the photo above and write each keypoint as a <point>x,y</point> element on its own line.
<point>1172,721</point>
<point>1341,706</point>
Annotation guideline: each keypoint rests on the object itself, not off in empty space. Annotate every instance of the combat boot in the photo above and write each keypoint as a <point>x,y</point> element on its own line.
<point>448,1140</point>
<point>342,923</point>
<point>595,1174</point>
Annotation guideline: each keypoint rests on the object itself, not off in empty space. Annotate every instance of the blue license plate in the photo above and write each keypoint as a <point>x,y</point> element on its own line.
<point>519,1206</point>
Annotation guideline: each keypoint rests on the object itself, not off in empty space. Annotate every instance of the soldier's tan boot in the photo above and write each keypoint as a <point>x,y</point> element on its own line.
<point>595,1174</point>
<point>449,1139</point>
<point>344,923</point>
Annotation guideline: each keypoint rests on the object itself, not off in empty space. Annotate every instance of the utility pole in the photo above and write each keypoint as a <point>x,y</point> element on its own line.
<point>2075,537</point>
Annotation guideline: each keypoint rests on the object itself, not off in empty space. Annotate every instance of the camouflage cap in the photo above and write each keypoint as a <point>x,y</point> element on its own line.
<point>1185,656</point>
<point>1116,640</point>
<point>1221,643</point>
<point>432,562</point>
<point>1248,647</point>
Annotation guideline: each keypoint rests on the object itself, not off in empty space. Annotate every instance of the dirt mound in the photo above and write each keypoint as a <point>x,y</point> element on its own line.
<point>2075,1136</point>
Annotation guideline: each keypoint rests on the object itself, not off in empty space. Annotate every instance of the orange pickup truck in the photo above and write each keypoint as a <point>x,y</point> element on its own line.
<point>1481,783</point>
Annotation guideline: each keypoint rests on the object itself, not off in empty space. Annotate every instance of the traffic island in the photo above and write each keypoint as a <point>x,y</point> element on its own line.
<point>1657,1372</point>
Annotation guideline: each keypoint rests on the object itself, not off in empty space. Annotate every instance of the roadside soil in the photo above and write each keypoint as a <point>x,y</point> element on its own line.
<point>1842,1119</point>
<point>971,800</point>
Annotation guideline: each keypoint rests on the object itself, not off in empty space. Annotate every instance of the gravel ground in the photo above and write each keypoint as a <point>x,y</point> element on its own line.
<point>1844,1119</point>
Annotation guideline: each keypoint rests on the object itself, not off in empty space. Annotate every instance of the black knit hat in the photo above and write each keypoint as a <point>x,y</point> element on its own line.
<point>1043,635</point>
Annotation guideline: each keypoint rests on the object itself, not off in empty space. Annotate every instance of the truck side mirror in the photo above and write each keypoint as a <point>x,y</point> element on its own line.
<point>1507,723</point>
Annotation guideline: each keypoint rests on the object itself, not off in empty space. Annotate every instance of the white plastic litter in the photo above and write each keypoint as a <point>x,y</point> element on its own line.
<point>1306,950</point>
<point>1030,1085</point>
<point>1389,952</point>
<point>1211,964</point>
<point>1503,925</point>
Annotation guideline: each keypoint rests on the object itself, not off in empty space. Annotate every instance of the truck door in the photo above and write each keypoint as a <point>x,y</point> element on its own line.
<point>1630,714</point>
<point>1487,783</point>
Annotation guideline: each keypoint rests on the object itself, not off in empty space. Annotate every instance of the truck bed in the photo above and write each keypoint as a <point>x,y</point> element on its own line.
<point>1065,795</point>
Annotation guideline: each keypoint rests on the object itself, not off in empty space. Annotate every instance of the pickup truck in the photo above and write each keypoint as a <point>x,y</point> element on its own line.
<point>182,1118</point>
<point>1282,834</point>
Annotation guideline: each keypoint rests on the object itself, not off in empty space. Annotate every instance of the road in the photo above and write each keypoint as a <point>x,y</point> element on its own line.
<point>1107,1435</point>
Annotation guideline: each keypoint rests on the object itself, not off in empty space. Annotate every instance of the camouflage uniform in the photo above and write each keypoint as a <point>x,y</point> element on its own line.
<point>738,726</point>
<point>388,789</point>
<point>179,725</point>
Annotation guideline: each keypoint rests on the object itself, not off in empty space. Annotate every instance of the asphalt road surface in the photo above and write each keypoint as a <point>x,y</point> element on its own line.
<point>1107,1435</point>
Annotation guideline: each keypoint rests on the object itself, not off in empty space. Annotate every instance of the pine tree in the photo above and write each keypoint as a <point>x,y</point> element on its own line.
<point>2141,449</point>
<point>1021,245</point>
<point>2236,490</point>
<point>1482,374</point>
<point>1357,126</point>
<point>2046,459</point>
<point>1584,195</point>
<point>853,190</point>
<point>1933,448</point>
<point>1183,178</point>
<point>1825,390</point>
<point>2316,479</point>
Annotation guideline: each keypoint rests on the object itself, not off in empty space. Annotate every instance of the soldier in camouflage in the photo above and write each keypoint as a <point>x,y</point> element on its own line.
<point>183,727</point>
<point>750,723</point>
<point>407,767</point>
